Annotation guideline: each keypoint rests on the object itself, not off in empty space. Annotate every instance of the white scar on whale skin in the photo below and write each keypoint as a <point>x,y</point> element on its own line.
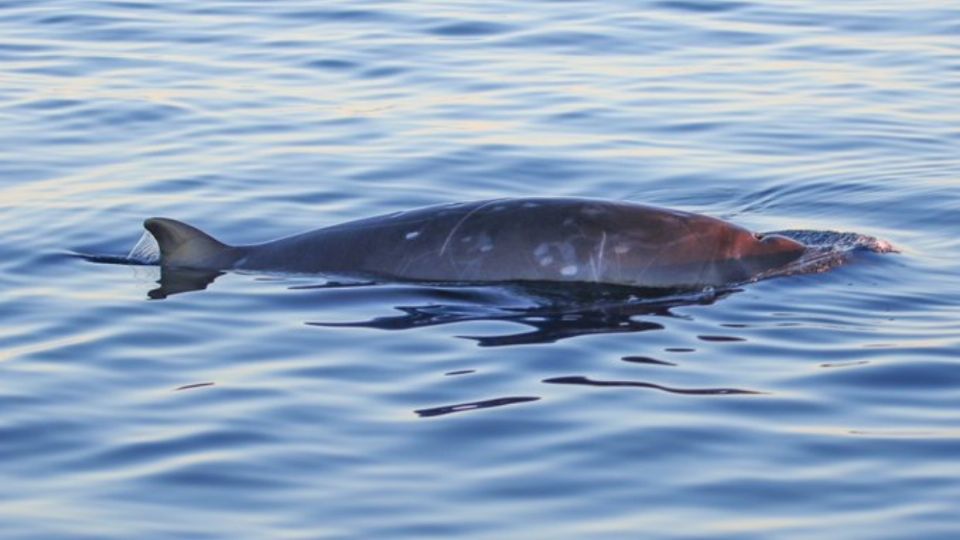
<point>460,223</point>
<point>596,266</point>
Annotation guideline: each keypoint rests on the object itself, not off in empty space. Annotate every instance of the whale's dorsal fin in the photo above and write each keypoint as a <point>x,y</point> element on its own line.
<point>182,245</point>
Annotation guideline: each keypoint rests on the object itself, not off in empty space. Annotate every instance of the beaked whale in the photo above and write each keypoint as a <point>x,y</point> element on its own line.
<point>504,240</point>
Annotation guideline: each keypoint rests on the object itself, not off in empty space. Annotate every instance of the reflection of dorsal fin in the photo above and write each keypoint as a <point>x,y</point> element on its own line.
<point>188,247</point>
<point>179,280</point>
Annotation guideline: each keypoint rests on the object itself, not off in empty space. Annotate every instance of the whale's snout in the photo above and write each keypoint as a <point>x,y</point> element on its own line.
<point>771,251</point>
<point>776,243</point>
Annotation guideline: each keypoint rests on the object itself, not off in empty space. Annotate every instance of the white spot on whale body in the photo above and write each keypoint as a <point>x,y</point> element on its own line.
<point>411,235</point>
<point>546,261</point>
<point>620,249</point>
<point>483,243</point>
<point>541,250</point>
<point>569,270</point>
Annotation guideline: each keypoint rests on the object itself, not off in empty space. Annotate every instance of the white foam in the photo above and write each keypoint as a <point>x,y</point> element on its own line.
<point>826,250</point>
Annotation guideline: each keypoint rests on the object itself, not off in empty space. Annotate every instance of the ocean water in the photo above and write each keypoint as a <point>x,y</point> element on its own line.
<point>278,406</point>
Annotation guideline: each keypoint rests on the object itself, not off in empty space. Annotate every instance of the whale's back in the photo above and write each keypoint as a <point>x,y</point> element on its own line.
<point>534,239</point>
<point>512,240</point>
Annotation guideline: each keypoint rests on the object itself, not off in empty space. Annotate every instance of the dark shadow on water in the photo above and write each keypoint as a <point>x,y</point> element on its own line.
<point>647,360</point>
<point>550,311</point>
<point>182,280</point>
<point>547,312</point>
<point>580,381</point>
<point>547,327</point>
<point>473,406</point>
<point>585,381</point>
<point>553,312</point>
<point>122,260</point>
<point>172,280</point>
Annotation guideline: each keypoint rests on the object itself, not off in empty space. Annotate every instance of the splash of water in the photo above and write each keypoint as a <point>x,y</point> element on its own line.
<point>827,250</point>
<point>839,241</point>
<point>145,251</point>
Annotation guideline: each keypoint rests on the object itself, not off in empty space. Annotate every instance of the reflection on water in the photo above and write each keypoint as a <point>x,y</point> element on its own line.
<point>182,280</point>
<point>552,320</point>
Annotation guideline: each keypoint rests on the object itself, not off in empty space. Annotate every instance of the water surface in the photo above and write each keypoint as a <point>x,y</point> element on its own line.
<point>270,406</point>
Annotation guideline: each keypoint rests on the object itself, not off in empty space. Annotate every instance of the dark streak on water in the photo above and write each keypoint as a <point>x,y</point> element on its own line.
<point>460,372</point>
<point>262,119</point>
<point>472,406</point>
<point>585,381</point>
<point>195,385</point>
<point>647,360</point>
<point>721,339</point>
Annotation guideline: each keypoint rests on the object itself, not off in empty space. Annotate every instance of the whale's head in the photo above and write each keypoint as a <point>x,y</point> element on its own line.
<point>733,254</point>
<point>686,250</point>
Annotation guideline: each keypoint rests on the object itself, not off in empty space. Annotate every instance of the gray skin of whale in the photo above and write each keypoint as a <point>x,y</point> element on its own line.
<point>504,240</point>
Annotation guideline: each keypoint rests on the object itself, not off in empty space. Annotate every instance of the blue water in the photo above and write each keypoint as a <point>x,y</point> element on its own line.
<point>270,406</point>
